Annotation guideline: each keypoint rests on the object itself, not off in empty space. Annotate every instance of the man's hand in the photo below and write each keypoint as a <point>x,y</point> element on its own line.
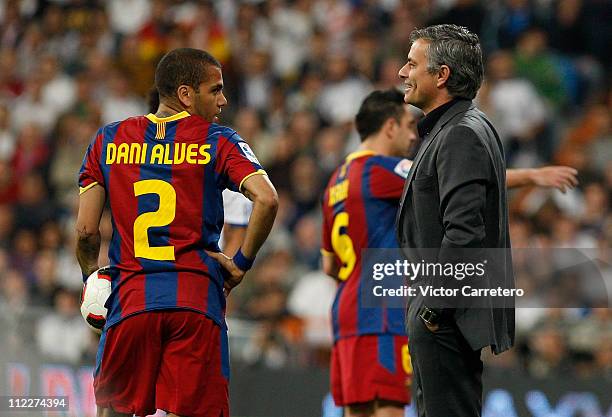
<point>233,275</point>
<point>562,178</point>
<point>431,327</point>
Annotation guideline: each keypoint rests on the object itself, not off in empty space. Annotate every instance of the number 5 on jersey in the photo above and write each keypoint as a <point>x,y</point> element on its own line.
<point>162,217</point>
<point>343,245</point>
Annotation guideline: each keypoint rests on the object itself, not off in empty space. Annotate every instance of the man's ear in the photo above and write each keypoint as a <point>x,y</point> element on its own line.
<point>443,76</point>
<point>185,95</point>
<point>389,126</point>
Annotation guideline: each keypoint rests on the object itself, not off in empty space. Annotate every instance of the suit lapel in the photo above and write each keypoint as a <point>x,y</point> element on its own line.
<point>460,107</point>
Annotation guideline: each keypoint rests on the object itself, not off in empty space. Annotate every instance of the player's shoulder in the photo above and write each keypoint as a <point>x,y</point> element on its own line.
<point>227,134</point>
<point>383,160</point>
<point>107,131</point>
<point>213,131</point>
<point>111,128</point>
<point>399,166</point>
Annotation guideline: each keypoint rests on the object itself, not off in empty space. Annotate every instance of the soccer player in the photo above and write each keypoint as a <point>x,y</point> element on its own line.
<point>370,369</point>
<point>165,343</point>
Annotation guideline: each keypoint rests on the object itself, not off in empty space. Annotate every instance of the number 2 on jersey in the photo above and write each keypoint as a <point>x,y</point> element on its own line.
<point>162,217</point>
<point>343,245</point>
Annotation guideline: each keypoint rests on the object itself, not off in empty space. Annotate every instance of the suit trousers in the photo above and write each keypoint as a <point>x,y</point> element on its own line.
<point>447,373</point>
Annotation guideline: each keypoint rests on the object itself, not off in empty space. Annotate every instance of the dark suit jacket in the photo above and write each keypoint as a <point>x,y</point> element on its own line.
<point>454,198</point>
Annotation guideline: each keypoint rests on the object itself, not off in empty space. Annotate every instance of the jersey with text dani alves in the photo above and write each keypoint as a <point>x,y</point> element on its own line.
<point>164,179</point>
<point>359,208</point>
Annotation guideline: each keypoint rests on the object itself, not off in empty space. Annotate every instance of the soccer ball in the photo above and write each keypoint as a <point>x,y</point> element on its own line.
<point>96,290</point>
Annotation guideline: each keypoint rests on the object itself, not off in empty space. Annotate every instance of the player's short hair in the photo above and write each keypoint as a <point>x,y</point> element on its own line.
<point>459,49</point>
<point>376,109</point>
<point>182,66</point>
<point>153,100</point>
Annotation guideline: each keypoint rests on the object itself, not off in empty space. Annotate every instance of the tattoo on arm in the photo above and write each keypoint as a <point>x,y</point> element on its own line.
<point>88,250</point>
<point>247,194</point>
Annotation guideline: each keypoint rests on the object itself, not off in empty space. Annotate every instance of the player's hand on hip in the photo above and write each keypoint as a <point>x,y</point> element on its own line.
<point>232,274</point>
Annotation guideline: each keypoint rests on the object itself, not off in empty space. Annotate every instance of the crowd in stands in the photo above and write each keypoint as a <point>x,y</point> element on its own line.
<point>295,72</point>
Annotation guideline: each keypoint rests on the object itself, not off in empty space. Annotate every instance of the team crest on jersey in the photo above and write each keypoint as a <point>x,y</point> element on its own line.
<point>403,167</point>
<point>246,149</point>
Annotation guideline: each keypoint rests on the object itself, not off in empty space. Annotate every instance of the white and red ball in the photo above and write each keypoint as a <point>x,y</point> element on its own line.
<point>96,290</point>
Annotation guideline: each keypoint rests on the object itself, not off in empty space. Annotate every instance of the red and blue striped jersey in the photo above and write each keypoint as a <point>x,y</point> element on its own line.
<point>359,208</point>
<point>164,179</point>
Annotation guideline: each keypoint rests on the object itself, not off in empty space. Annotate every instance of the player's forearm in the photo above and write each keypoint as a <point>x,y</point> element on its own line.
<point>329,264</point>
<point>88,251</point>
<point>233,236</point>
<point>519,177</point>
<point>260,223</point>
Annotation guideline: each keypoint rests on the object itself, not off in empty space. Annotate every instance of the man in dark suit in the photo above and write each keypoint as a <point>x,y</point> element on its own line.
<point>454,206</point>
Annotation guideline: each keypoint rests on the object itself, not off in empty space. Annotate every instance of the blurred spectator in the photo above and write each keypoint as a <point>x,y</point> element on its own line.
<point>31,109</point>
<point>305,186</point>
<point>62,335</point>
<point>330,150</point>
<point>11,84</point>
<point>58,91</point>
<point>33,207</point>
<point>311,300</point>
<point>257,80</point>
<point>567,27</point>
<point>16,318</point>
<point>282,160</point>
<point>307,242</point>
<point>6,225</point>
<point>205,29</point>
<point>334,18</point>
<point>306,96</point>
<point>45,282</point>
<point>134,67</point>
<point>534,61</point>
<point>516,109</point>
<point>548,356</point>
<point>512,20</point>
<point>291,27</point>
<point>74,135</point>
<point>32,152</point>
<point>603,357</point>
<point>249,124</point>
<point>120,103</point>
<point>591,332</point>
<point>342,92</point>
<point>127,16</point>
<point>266,348</point>
<point>7,138</point>
<point>302,128</point>
<point>24,247</point>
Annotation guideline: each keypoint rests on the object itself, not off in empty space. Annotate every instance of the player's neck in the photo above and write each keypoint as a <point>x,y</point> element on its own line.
<point>168,109</point>
<point>375,145</point>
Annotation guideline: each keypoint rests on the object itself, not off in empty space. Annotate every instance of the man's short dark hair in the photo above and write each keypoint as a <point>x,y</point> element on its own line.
<point>459,49</point>
<point>376,109</point>
<point>182,66</point>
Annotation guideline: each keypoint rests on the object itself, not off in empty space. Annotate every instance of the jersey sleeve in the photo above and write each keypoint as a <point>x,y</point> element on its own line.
<point>236,162</point>
<point>387,177</point>
<point>237,208</point>
<point>90,173</point>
